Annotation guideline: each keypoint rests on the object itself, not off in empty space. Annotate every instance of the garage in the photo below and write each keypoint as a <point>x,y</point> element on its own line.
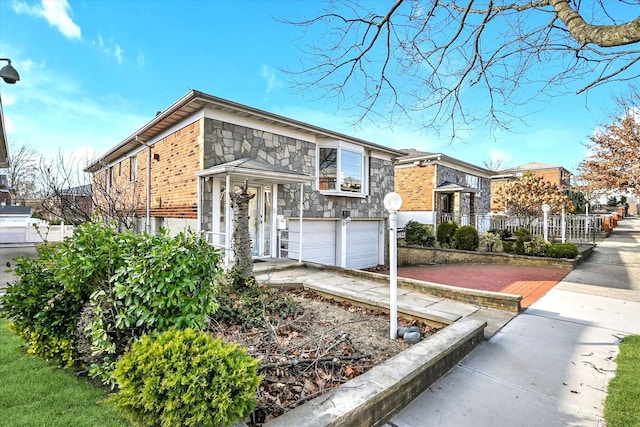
<point>318,243</point>
<point>363,244</point>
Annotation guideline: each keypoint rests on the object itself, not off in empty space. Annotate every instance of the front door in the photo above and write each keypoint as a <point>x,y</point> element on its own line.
<point>259,220</point>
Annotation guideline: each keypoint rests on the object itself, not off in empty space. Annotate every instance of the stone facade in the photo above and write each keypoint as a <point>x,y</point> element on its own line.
<point>225,142</point>
<point>482,199</point>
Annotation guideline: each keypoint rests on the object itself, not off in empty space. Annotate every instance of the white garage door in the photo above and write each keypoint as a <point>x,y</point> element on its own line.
<point>318,243</point>
<point>363,244</point>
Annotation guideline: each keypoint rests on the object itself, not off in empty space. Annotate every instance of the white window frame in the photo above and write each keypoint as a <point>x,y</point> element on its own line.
<point>364,165</point>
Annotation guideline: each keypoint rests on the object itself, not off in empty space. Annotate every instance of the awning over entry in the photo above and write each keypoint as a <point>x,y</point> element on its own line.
<point>450,187</point>
<point>257,171</point>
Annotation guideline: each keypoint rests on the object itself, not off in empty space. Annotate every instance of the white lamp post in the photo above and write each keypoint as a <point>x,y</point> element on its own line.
<point>545,211</point>
<point>563,224</point>
<point>392,203</point>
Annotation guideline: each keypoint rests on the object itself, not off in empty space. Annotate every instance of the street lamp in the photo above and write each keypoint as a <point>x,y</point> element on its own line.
<point>8,73</point>
<point>392,203</point>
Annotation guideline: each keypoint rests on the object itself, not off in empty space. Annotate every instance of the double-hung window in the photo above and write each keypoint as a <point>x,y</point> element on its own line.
<point>341,169</point>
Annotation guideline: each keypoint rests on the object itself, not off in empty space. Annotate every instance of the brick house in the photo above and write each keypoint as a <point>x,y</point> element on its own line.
<point>319,193</point>
<point>553,173</point>
<point>435,188</point>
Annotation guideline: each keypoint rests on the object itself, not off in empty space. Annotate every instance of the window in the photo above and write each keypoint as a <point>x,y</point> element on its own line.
<point>341,169</point>
<point>473,181</point>
<point>133,169</point>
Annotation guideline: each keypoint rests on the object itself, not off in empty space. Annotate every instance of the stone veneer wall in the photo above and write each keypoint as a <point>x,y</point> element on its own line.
<point>225,142</point>
<point>482,199</point>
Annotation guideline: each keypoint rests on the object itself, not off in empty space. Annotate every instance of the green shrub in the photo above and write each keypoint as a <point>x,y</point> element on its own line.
<point>536,247</point>
<point>502,232</point>
<point>46,300</point>
<point>466,238</point>
<point>490,242</point>
<point>509,246</point>
<point>522,235</point>
<point>563,250</point>
<point>250,304</point>
<point>418,234</point>
<point>163,282</point>
<point>445,233</point>
<point>186,378</point>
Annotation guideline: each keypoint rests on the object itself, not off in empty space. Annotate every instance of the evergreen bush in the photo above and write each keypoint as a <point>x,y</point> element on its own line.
<point>563,250</point>
<point>164,282</point>
<point>522,235</point>
<point>418,234</point>
<point>491,242</point>
<point>186,378</point>
<point>46,300</point>
<point>466,238</point>
<point>536,247</point>
<point>502,232</point>
<point>445,233</point>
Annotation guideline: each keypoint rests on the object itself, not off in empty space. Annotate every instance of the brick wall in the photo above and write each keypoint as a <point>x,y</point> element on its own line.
<point>415,185</point>
<point>175,160</point>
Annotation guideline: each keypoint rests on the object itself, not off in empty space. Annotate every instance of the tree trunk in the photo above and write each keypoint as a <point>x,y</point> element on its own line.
<point>241,238</point>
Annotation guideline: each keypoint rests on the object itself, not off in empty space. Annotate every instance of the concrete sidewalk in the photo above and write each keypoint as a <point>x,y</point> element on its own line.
<point>549,366</point>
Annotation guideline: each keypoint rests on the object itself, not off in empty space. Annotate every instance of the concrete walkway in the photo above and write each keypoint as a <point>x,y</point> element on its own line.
<point>549,366</point>
<point>375,293</point>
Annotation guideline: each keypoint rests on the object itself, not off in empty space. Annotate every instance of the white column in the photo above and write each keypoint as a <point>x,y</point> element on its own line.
<point>300,222</point>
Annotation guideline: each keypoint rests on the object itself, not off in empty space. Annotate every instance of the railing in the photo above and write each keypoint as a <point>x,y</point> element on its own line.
<point>578,228</point>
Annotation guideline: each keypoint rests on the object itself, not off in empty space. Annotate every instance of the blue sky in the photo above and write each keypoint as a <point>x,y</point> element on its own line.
<point>92,72</point>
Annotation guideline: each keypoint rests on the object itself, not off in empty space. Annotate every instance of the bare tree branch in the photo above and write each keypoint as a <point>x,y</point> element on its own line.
<point>449,64</point>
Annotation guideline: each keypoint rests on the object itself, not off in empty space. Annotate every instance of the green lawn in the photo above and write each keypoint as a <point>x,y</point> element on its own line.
<point>35,393</point>
<point>622,407</point>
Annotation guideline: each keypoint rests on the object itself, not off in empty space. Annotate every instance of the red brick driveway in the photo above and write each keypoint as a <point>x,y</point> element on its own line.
<point>530,282</point>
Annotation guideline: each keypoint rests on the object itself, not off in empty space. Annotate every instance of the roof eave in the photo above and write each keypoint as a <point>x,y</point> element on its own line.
<point>200,100</point>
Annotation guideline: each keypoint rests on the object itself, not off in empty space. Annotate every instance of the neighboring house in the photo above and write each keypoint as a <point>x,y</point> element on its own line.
<point>435,188</point>
<point>319,193</point>
<point>5,191</point>
<point>14,224</point>
<point>553,173</point>
<point>75,204</point>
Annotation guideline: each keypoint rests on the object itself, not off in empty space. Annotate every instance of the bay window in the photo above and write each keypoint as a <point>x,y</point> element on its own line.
<point>341,169</point>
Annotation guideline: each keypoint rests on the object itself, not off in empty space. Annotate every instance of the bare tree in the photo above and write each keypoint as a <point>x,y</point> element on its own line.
<point>116,199</point>
<point>22,172</point>
<point>493,164</point>
<point>67,190</point>
<point>458,61</point>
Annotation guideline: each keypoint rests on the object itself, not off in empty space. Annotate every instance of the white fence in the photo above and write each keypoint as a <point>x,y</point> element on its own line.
<point>578,228</point>
<point>30,233</point>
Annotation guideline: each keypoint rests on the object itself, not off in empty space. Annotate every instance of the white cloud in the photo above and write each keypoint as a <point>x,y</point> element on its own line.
<point>118,53</point>
<point>269,76</point>
<point>55,12</point>
<point>109,48</point>
<point>52,112</point>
